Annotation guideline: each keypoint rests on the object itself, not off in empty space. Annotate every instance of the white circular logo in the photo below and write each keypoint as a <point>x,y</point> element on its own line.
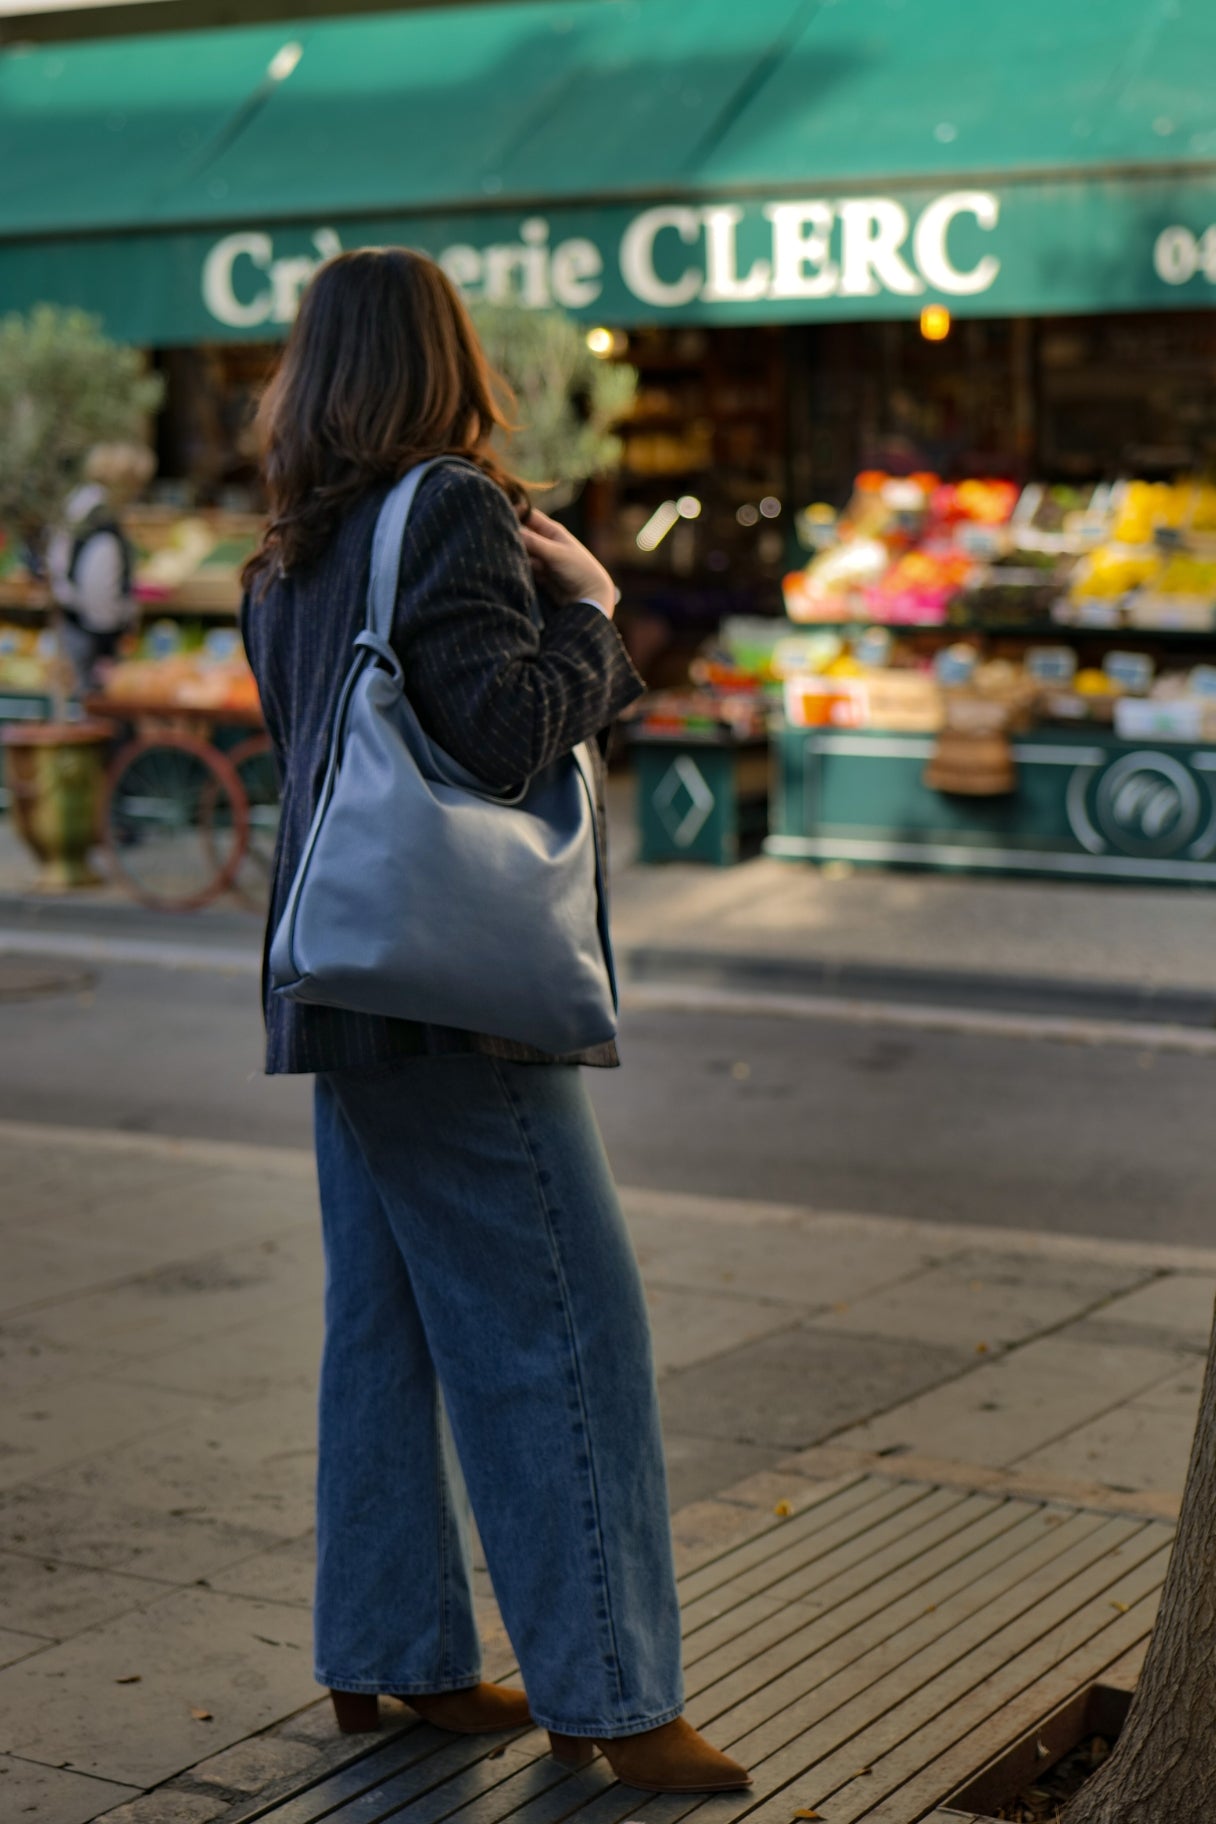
<point>1149,805</point>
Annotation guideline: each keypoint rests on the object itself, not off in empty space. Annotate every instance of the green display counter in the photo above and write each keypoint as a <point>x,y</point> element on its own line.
<point>700,797</point>
<point>1086,806</point>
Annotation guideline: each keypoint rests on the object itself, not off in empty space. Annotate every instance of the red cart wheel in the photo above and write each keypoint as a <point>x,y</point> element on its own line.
<point>254,765</point>
<point>175,821</point>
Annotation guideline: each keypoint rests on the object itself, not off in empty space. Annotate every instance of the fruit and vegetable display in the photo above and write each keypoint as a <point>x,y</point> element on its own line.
<point>176,668</point>
<point>914,551</point>
<point>27,659</point>
<point>184,562</point>
<point>191,562</point>
<point>901,551</point>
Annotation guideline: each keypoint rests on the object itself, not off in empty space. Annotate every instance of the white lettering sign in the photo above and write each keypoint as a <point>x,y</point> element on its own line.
<point>280,282</point>
<point>872,231</point>
<point>1178,255</point>
<point>929,242</point>
<point>679,254</point>
<point>527,271</point>
<point>725,285</point>
<point>802,238</point>
<point>638,256</point>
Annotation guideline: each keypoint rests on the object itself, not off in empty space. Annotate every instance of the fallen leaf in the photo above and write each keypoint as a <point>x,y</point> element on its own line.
<point>842,1307</point>
<point>1121,1606</point>
<point>807,1813</point>
<point>201,1716</point>
<point>496,1754</point>
<point>132,1678</point>
<point>1042,1751</point>
<point>783,1510</point>
<point>862,1770</point>
<point>740,1072</point>
<point>981,1348</point>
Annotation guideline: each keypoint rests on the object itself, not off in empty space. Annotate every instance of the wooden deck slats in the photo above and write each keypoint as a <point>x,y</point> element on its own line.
<point>800,1630</point>
<point>906,1629</point>
<point>849,1532</point>
<point>777,1535</point>
<point>777,1741</point>
<point>833,1578</point>
<point>1049,1680</point>
<point>922,1626</point>
<point>867,1729</point>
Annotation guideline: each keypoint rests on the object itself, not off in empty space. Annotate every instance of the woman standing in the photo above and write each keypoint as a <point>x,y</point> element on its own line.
<point>484,1315</point>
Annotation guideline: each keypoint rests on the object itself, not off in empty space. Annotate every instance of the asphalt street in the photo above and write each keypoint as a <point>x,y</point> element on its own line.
<point>899,1120</point>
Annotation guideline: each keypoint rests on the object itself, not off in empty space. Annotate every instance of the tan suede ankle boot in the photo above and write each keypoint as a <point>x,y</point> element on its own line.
<point>671,1758</point>
<point>478,1710</point>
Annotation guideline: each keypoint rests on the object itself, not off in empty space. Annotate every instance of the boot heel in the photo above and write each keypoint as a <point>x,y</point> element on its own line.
<point>571,1750</point>
<point>356,1712</point>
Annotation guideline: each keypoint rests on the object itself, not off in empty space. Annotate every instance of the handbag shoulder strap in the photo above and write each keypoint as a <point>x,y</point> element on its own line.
<point>386,544</point>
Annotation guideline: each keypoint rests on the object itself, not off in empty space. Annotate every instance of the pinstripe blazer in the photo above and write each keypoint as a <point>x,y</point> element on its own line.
<point>503,696</point>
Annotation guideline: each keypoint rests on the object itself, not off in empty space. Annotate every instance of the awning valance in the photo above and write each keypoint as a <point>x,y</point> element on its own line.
<point>631,159</point>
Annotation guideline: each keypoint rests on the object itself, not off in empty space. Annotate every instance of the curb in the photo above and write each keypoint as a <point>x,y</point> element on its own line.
<point>990,991</point>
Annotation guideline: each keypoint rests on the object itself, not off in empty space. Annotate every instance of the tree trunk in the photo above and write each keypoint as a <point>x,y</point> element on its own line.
<point>1163,1769</point>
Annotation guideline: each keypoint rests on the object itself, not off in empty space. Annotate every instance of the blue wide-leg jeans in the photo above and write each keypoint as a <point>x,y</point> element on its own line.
<point>485,1327</point>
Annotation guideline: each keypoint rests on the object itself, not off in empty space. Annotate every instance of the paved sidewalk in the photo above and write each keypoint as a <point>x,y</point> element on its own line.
<point>158,1344</point>
<point>802,918</point>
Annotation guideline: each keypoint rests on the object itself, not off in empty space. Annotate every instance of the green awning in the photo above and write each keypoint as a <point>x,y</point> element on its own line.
<point>636,159</point>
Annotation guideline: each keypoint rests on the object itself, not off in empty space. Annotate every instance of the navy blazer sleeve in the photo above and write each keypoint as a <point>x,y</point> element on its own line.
<point>503,696</point>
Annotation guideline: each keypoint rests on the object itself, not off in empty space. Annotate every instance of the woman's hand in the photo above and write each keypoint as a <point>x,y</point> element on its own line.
<point>564,567</point>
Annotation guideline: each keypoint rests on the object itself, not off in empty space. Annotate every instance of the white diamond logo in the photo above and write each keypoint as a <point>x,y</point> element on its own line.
<point>683,801</point>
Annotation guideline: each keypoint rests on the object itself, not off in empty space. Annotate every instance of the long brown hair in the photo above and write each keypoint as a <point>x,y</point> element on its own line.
<point>382,369</point>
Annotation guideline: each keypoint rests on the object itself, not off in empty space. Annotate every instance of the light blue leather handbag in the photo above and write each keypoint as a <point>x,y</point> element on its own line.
<point>424,895</point>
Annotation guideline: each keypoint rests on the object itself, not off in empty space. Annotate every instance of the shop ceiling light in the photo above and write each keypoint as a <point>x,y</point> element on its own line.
<point>747,514</point>
<point>770,506</point>
<point>688,507</point>
<point>935,322</point>
<point>601,342</point>
<point>284,62</point>
<point>658,526</point>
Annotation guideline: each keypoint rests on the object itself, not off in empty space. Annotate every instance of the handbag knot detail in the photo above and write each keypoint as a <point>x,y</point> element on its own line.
<point>380,648</point>
<point>422,894</point>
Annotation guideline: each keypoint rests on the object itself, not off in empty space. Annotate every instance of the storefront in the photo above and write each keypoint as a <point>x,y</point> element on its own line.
<point>1002,268</point>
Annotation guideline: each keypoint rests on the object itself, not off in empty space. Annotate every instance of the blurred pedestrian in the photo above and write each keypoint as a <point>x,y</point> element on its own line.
<point>90,559</point>
<point>485,1324</point>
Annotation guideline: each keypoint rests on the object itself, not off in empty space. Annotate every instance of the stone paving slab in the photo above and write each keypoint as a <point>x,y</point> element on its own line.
<point>692,1326</point>
<point>985,1300</point>
<point>40,1596</point>
<point>14,1646</point>
<point>53,1795</point>
<point>1178,1303</point>
<point>1135,1446</point>
<point>790,1389</point>
<point>210,1670</point>
<point>1007,1409</point>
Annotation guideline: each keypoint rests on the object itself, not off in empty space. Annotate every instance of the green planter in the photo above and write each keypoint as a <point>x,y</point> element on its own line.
<point>55,773</point>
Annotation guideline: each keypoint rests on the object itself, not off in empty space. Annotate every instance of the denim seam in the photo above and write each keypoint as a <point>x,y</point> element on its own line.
<point>441,1492</point>
<point>572,1339</point>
